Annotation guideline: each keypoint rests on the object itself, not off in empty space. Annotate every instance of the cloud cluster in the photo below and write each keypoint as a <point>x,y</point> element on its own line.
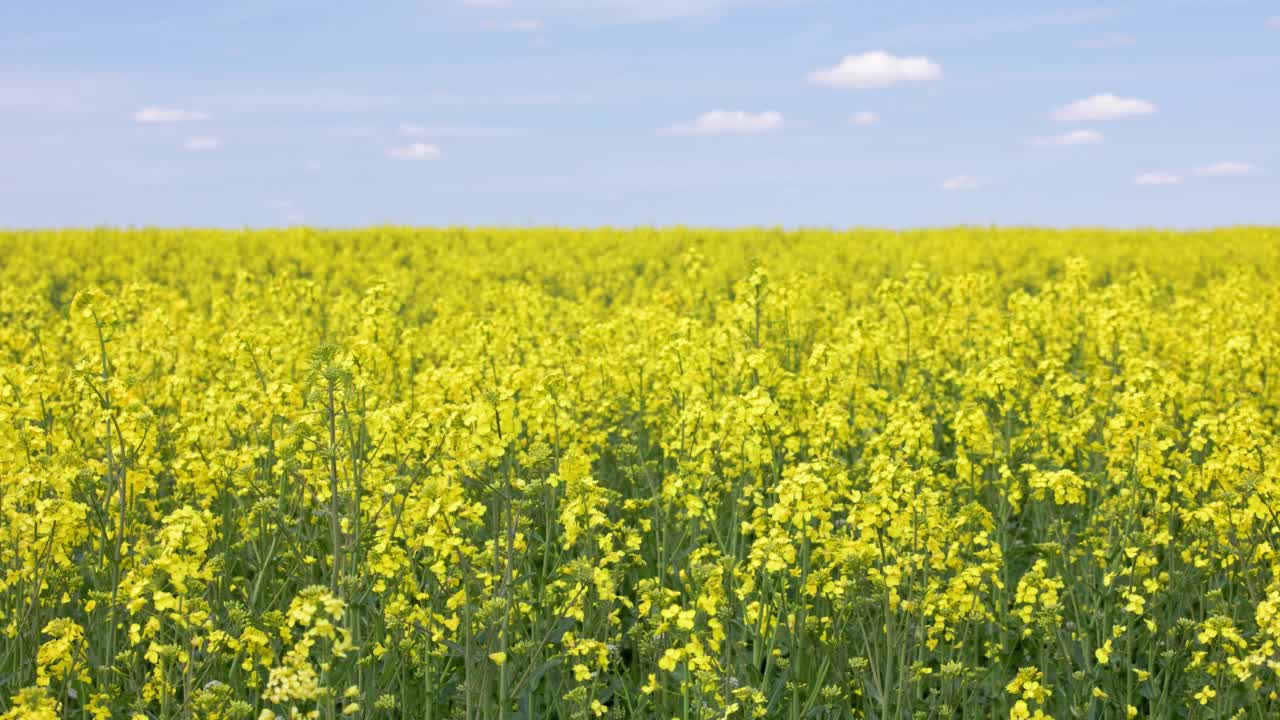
<point>876,69</point>
<point>1228,167</point>
<point>728,122</point>
<point>865,70</point>
<point>1105,106</point>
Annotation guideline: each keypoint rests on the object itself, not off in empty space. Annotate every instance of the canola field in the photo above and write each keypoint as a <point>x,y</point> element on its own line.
<point>552,474</point>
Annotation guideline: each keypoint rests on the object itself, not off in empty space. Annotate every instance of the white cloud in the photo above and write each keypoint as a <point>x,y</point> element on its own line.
<point>963,182</point>
<point>202,143</point>
<point>414,151</point>
<point>1225,168</point>
<point>168,115</point>
<point>1104,107</point>
<point>458,131</point>
<point>876,69</point>
<point>1218,169</point>
<point>728,122</point>
<point>864,118</point>
<point>1157,178</point>
<point>1110,40</point>
<point>1074,137</point>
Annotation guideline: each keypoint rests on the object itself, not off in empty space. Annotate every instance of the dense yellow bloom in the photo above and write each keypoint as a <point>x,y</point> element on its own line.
<point>32,704</point>
<point>1029,685</point>
<point>62,653</point>
<point>653,473</point>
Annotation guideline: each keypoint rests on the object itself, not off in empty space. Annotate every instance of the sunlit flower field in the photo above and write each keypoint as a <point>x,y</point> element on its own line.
<point>552,474</point>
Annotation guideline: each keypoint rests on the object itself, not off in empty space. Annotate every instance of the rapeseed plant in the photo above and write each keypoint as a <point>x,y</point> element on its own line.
<point>398,473</point>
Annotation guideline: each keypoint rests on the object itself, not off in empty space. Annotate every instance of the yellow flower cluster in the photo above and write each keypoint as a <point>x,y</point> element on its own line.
<point>402,473</point>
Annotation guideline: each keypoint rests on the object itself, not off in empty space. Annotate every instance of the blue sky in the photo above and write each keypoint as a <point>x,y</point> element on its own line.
<point>638,112</point>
